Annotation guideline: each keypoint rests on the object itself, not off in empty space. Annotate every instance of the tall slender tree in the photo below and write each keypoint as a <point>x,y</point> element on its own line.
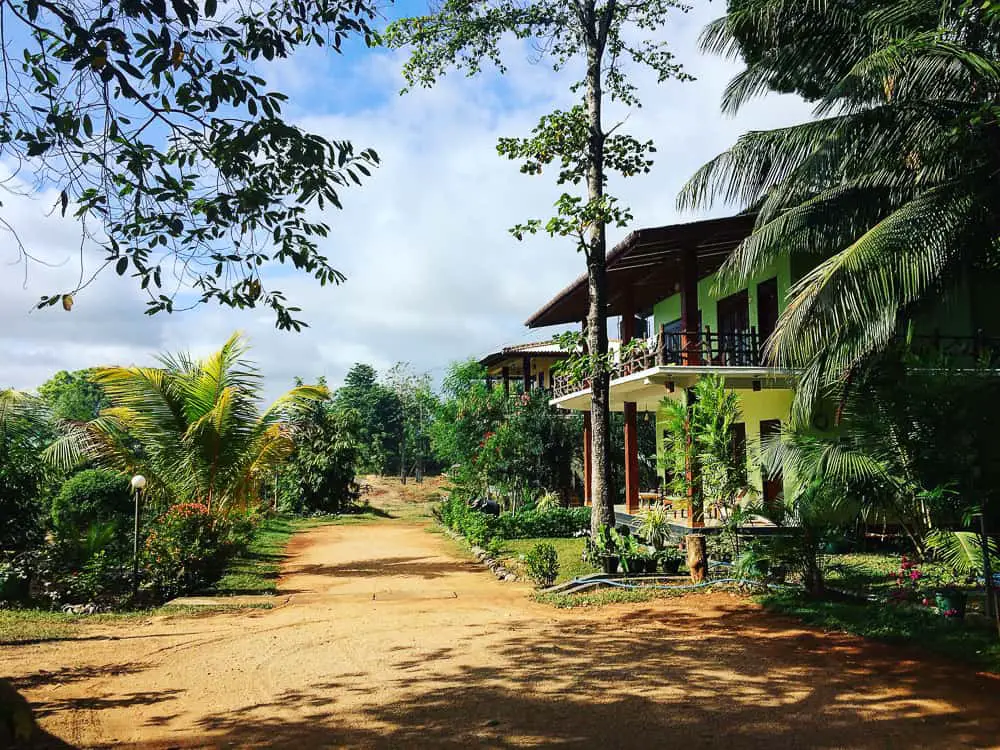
<point>606,38</point>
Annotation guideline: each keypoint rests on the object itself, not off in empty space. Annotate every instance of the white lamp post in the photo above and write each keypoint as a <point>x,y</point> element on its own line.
<point>138,485</point>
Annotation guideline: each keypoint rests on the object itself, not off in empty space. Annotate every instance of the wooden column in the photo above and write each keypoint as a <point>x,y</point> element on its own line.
<point>506,380</point>
<point>631,460</point>
<point>631,429</point>
<point>587,437</point>
<point>690,323</point>
<point>695,504</point>
<point>526,373</point>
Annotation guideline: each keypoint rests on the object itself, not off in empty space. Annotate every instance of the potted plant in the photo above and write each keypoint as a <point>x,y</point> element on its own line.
<point>670,560</point>
<point>603,552</point>
<point>950,602</point>
<point>654,527</point>
<point>628,550</point>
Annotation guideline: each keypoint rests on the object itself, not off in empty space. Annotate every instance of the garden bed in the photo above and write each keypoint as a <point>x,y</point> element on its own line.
<point>973,640</point>
<point>570,552</point>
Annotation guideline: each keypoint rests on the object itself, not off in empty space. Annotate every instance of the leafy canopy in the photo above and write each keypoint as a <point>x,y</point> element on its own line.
<point>150,123</point>
<point>609,37</point>
<point>192,427</point>
<point>890,195</point>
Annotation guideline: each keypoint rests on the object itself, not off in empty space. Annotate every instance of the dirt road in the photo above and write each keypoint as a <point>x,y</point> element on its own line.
<point>388,639</point>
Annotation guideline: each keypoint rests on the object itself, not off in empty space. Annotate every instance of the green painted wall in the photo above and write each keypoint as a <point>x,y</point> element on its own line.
<point>755,407</point>
<point>669,308</point>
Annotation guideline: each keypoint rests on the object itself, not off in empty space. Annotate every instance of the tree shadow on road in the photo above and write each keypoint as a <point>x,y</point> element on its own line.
<point>659,677</point>
<point>419,567</point>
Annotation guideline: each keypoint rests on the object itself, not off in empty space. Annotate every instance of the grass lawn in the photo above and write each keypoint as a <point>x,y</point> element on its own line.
<point>868,573</point>
<point>256,570</point>
<point>569,550</point>
<point>973,641</point>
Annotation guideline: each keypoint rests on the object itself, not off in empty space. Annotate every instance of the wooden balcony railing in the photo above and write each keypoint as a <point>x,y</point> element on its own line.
<point>744,349</point>
<point>683,348</point>
<point>692,348</point>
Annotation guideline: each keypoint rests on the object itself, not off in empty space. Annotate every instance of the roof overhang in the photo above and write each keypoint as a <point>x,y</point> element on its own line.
<point>644,268</point>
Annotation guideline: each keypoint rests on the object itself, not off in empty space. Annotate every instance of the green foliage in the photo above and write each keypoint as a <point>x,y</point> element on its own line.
<point>394,415</point>
<point>479,528</point>
<point>911,625</point>
<point>417,404</point>
<point>548,501</point>
<point>25,479</point>
<point>654,526</point>
<point>543,564</point>
<point>319,474</point>
<point>379,416</point>
<point>707,425</point>
<point>962,551</point>
<point>187,546</point>
<point>557,522</point>
<point>888,194</point>
<point>88,497</point>
<point>512,447</point>
<point>73,396</point>
<point>602,39</point>
<point>152,123</point>
<point>193,428</point>
<point>915,448</point>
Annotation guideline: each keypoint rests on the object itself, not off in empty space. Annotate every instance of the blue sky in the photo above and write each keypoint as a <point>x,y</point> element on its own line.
<point>433,275</point>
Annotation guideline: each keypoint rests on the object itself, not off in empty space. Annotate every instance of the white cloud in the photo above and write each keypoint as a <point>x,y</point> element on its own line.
<point>433,275</point>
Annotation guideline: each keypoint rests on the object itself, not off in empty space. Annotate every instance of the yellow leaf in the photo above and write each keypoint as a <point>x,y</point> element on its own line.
<point>67,302</point>
<point>178,55</point>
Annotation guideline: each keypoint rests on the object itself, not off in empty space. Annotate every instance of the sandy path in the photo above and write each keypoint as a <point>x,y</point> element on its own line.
<point>388,640</point>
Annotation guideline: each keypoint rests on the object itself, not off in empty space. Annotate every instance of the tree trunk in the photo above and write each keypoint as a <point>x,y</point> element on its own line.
<point>603,511</point>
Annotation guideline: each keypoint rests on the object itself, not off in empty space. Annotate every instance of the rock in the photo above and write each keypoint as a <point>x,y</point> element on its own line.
<point>510,577</point>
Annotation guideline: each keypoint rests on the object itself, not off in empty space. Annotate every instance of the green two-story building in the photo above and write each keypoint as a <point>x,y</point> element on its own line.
<point>662,286</point>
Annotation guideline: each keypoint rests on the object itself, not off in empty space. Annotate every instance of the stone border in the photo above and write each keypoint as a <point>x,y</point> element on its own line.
<point>491,563</point>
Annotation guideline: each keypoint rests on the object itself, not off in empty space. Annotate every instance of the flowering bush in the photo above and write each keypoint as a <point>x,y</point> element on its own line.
<point>187,546</point>
<point>914,585</point>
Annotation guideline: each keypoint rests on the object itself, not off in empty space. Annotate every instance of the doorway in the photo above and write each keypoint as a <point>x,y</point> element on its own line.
<point>767,311</point>
<point>773,487</point>
<point>734,324</point>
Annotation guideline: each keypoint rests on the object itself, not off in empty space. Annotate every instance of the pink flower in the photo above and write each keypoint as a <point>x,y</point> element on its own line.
<point>915,575</point>
<point>926,602</point>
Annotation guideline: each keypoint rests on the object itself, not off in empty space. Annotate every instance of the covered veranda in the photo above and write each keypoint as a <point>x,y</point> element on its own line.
<point>648,266</point>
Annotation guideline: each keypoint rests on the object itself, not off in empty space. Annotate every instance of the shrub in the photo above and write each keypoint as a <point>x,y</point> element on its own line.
<point>187,547</point>
<point>543,564</point>
<point>479,527</point>
<point>558,522</point>
<point>92,496</point>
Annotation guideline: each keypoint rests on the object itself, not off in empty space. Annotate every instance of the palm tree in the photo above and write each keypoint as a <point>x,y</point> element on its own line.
<point>891,193</point>
<point>192,427</point>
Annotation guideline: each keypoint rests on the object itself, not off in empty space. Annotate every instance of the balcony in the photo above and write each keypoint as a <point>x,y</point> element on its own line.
<point>703,349</point>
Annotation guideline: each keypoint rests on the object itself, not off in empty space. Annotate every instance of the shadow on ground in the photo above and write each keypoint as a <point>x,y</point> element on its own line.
<point>657,677</point>
<point>419,567</point>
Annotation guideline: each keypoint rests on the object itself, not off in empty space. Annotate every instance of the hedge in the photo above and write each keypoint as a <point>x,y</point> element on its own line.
<point>479,528</point>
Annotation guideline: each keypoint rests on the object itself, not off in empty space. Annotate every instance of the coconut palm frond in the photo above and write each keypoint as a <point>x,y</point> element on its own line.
<point>960,550</point>
<point>888,194</point>
<point>192,427</point>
